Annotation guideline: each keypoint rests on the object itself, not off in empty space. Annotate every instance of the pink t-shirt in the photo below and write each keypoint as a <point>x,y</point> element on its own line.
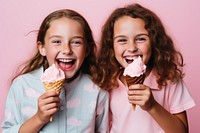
<point>175,98</point>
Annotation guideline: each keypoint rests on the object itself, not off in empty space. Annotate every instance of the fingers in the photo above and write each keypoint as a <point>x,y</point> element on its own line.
<point>136,93</point>
<point>48,104</point>
<point>49,94</point>
<point>50,99</point>
<point>140,95</point>
<point>138,89</point>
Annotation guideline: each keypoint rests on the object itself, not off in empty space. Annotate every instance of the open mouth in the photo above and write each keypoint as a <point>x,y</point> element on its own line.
<point>66,64</point>
<point>129,60</point>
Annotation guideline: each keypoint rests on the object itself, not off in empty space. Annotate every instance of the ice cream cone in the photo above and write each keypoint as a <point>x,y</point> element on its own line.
<point>135,80</point>
<point>53,78</point>
<point>56,86</point>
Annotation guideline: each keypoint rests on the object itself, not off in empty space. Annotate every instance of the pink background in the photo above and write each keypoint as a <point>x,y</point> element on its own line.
<point>18,18</point>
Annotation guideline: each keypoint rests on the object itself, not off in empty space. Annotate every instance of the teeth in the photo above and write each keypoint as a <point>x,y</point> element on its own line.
<point>131,58</point>
<point>65,60</point>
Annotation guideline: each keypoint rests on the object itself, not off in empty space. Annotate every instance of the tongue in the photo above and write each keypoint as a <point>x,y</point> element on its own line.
<point>129,61</point>
<point>65,66</point>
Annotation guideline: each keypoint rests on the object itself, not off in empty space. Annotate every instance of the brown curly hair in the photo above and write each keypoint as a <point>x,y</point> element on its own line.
<point>165,59</point>
<point>37,61</point>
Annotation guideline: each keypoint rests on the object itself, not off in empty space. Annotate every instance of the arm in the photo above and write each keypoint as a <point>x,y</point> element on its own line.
<point>11,122</point>
<point>141,95</point>
<point>47,105</point>
<point>169,122</point>
<point>102,115</point>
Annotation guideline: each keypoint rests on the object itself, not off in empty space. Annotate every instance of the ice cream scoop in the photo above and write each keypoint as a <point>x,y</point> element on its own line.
<point>135,69</point>
<point>52,74</point>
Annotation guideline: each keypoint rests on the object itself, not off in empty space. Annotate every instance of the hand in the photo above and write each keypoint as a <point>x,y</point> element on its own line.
<point>141,95</point>
<point>48,104</point>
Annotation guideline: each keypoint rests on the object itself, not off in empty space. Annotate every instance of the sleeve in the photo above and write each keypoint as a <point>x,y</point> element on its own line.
<point>11,122</point>
<point>180,98</point>
<point>102,117</point>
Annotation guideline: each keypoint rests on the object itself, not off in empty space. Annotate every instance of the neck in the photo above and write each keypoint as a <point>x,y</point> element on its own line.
<point>122,78</point>
<point>74,77</point>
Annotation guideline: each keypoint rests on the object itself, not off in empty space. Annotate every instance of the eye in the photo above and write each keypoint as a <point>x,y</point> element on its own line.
<point>121,40</point>
<point>76,42</point>
<point>140,39</point>
<point>56,42</point>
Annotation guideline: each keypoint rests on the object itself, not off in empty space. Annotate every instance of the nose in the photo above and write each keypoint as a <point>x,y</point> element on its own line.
<point>132,47</point>
<point>66,49</point>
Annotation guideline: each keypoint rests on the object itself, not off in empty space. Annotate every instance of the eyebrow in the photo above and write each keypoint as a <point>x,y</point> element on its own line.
<point>118,36</point>
<point>58,36</point>
<point>142,34</point>
<point>80,37</point>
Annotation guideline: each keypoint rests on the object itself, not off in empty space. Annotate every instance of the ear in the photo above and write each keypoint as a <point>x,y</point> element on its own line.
<point>41,48</point>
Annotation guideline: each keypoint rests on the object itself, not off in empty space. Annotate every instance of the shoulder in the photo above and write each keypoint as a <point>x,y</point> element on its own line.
<point>86,78</point>
<point>180,97</point>
<point>177,86</point>
<point>34,75</point>
<point>28,79</point>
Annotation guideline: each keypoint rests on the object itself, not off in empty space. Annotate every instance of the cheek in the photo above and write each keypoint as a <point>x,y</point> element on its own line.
<point>80,53</point>
<point>51,55</point>
<point>118,53</point>
<point>146,59</point>
<point>118,50</point>
<point>146,54</point>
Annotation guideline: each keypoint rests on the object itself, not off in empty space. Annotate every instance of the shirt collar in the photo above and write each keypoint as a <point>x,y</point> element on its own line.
<point>73,83</point>
<point>151,81</point>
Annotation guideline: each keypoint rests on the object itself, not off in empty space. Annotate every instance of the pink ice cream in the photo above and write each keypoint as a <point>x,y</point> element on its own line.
<point>135,69</point>
<point>52,74</point>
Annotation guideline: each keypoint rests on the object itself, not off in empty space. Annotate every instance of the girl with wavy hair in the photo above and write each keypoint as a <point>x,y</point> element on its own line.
<point>65,40</point>
<point>162,100</point>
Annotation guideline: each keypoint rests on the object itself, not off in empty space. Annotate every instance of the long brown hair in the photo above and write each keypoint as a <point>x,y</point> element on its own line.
<point>165,59</point>
<point>37,61</point>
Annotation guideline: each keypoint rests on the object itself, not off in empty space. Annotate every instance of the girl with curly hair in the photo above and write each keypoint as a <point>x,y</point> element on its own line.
<point>162,100</point>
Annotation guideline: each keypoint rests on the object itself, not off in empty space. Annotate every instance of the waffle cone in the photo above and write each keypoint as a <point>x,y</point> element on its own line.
<point>57,85</point>
<point>135,80</point>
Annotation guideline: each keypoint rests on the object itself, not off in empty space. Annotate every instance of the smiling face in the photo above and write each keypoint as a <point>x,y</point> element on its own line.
<point>64,45</point>
<point>131,40</point>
